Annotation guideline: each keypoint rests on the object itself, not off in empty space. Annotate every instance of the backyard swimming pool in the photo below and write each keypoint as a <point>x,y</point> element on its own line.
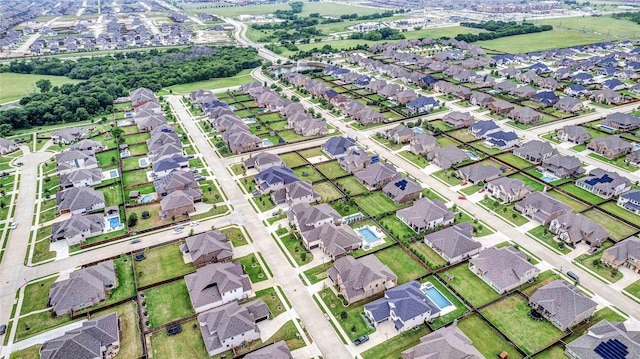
<point>417,130</point>
<point>607,128</point>
<point>549,178</point>
<point>249,120</point>
<point>266,142</point>
<point>143,162</point>
<point>114,222</point>
<point>113,173</point>
<point>434,294</point>
<point>367,234</point>
<point>473,156</point>
<point>146,198</point>
<point>353,217</point>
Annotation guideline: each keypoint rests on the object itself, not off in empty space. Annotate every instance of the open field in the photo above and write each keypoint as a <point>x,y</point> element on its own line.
<point>20,85</point>
<point>589,24</point>
<point>241,78</point>
<point>167,302</point>
<point>335,9</point>
<point>541,41</point>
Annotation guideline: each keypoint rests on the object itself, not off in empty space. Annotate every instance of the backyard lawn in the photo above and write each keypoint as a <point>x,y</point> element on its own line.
<point>312,152</point>
<point>582,194</point>
<point>486,339</point>
<point>186,344</point>
<point>613,208</point>
<point>134,177</point>
<point>113,195</point>
<point>617,230</point>
<point>539,187</point>
<point>376,203</point>
<point>469,286</point>
<point>351,186</point>
<point>605,313</point>
<point>543,278</point>
<point>396,345</point>
<point>167,303</point>
<point>573,203</point>
<point>331,170</point>
<point>154,219</point>
<point>307,173</point>
<point>432,259</point>
<point>162,263</point>
<point>514,160</point>
<point>293,159</point>
<point>130,345</point>
<point>451,316</point>
<point>511,316</point>
<point>400,263</point>
<point>396,227</point>
<point>328,192</point>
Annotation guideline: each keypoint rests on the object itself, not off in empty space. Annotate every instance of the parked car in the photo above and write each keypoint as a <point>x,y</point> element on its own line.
<point>195,223</point>
<point>361,340</point>
<point>3,329</point>
<point>13,225</point>
<point>135,241</point>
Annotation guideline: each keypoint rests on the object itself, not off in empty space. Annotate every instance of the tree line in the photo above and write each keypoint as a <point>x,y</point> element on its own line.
<point>109,77</point>
<point>632,16</point>
<point>498,29</point>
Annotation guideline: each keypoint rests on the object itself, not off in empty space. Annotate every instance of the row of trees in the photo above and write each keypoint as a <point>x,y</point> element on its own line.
<point>376,35</point>
<point>633,16</point>
<point>498,29</point>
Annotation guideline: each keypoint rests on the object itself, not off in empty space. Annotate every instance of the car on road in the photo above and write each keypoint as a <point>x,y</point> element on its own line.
<point>195,223</point>
<point>361,340</point>
<point>3,329</point>
<point>13,225</point>
<point>19,164</point>
<point>135,241</point>
<point>462,197</point>
<point>178,229</point>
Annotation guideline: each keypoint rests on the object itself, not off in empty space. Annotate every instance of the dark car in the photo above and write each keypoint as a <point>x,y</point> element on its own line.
<point>174,330</point>
<point>19,163</point>
<point>3,329</point>
<point>135,241</point>
<point>361,340</point>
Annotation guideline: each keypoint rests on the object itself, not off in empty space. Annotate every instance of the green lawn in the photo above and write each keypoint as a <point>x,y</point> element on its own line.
<point>296,249</point>
<point>617,230</point>
<point>602,24</point>
<point>451,316</point>
<point>542,234</point>
<point>537,186</point>
<point>312,152</point>
<point>634,289</point>
<point>162,263</point>
<point>588,260</point>
<point>546,40</point>
<point>126,286</point>
<point>251,266</point>
<point>186,344</point>
<point>328,192</point>
<point>507,211</point>
<point>167,303</point>
<point>351,186</point>
<point>264,202</point>
<point>293,159</point>
<point>32,352</point>
<point>272,300</point>
<point>25,84</point>
<point>130,344</point>
<point>612,207</point>
<point>40,322</point>
<point>470,286</point>
<point>236,236</point>
<point>107,158</point>
<point>573,203</point>
<point>376,203</point>
<point>331,170</point>
<point>447,176</point>
<point>396,227</point>
<point>316,274</point>
<point>511,316</point>
<point>354,319</point>
<point>307,173</point>
<point>393,347</point>
<point>288,332</point>
<point>400,263</point>
<point>514,160</point>
<point>583,194</point>
<point>555,352</point>
<point>134,177</point>
<point>618,162</point>
<point>36,295</point>
<point>543,278</point>
<point>432,259</point>
<point>417,160</point>
<point>113,195</point>
<point>486,339</point>
<point>241,78</point>
<point>469,190</point>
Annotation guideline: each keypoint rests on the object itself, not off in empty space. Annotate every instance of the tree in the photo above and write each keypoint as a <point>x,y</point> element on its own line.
<point>132,220</point>
<point>344,315</point>
<point>44,85</point>
<point>117,133</point>
<point>303,256</point>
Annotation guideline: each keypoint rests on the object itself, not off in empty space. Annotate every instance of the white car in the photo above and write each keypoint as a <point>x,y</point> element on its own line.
<point>178,229</point>
<point>195,223</point>
<point>13,225</point>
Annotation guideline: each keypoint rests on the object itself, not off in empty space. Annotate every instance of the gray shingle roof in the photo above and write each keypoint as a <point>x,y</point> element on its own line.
<point>562,301</point>
<point>84,342</point>
<point>356,274</point>
<point>76,225</point>
<point>212,242</point>
<point>78,198</point>
<point>277,350</point>
<point>454,241</point>
<point>630,247</point>
<point>603,332</point>
<point>224,322</point>
<point>208,283</point>
<point>83,288</point>
<point>478,172</point>
<point>504,266</point>
<point>444,343</point>
<point>424,211</point>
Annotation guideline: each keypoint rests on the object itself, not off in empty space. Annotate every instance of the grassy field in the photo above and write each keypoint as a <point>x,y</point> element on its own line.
<point>335,9</point>
<point>405,267</point>
<point>605,25</point>
<point>328,192</point>
<point>187,344</point>
<point>432,258</point>
<point>293,160</point>
<point>252,268</point>
<point>396,227</point>
<point>167,302</point>
<point>162,263</point>
<point>485,339</point>
<point>634,289</point>
<point>36,295</point>
<point>617,230</point>
<point>541,41</point>
<point>241,78</point>
<point>396,345</point>
<point>376,203</point>
<point>351,186</point>
<point>331,170</point>
<point>468,285</point>
<point>575,204</point>
<point>318,273</point>
<point>20,85</point>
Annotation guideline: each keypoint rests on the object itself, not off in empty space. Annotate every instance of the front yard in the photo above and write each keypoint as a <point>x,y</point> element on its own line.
<point>252,268</point>
<point>593,263</point>
<point>354,324</point>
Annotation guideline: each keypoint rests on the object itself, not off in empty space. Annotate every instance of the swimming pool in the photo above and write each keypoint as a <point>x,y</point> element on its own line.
<point>266,142</point>
<point>549,178</point>
<point>353,217</point>
<point>114,222</point>
<point>128,115</point>
<point>473,156</point>
<point>143,162</point>
<point>367,234</point>
<point>113,173</point>
<point>434,294</point>
<point>636,147</point>
<point>146,198</point>
<point>418,130</point>
<point>249,120</point>
<point>607,128</point>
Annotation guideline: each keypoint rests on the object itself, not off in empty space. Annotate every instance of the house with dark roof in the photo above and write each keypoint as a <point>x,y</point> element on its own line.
<point>357,279</point>
<point>576,90</point>
<point>603,339</point>
<point>87,145</point>
<point>535,151</point>
<point>83,288</point>
<point>140,96</point>
<point>79,200</point>
<point>480,99</point>
<point>76,229</point>
<point>447,156</point>
<point>542,207</point>
<point>574,228</point>
<point>274,178</point>
<point>546,98</point>
<point>307,218</point>
<point>611,146</point>
<point>355,159</point>
<point>482,128</point>
<point>296,192</point>
<point>454,243</point>
<point>94,339</point>
<point>405,305</point>
<point>178,180</point>
<point>525,115</point>
<point>562,304</point>
<point>622,121</point>
<point>403,190</point>
<point>242,141</point>
<point>336,147</point>
<point>562,166</point>
<point>568,105</point>
<point>501,140</point>
<point>507,189</point>
<point>604,183</point>
<point>68,135</point>
<point>421,143</point>
<point>607,96</point>
<point>178,203</point>
<point>457,119</point>
<point>262,161</point>
<point>444,343</point>
<point>69,161</point>
<point>377,175</point>
<point>207,247</point>
<point>478,173</point>
<point>425,214</point>
<point>422,104</point>
<point>277,350</point>
<point>573,133</point>
<point>503,269</point>
<point>230,325</point>
<point>625,253</point>
<point>81,178</point>
<point>216,284</point>
<point>630,201</point>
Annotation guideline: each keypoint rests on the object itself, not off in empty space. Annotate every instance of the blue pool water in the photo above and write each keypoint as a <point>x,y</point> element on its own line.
<point>635,148</point>
<point>146,198</point>
<point>267,142</point>
<point>472,155</point>
<point>607,128</point>
<point>549,178</point>
<point>143,162</point>
<point>113,174</point>
<point>367,234</point>
<point>434,294</point>
<point>418,130</point>
<point>114,222</point>
<point>249,120</point>
<point>128,115</point>
<point>353,217</point>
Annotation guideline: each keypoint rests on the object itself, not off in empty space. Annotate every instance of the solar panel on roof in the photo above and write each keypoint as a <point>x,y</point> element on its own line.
<point>612,349</point>
<point>401,184</point>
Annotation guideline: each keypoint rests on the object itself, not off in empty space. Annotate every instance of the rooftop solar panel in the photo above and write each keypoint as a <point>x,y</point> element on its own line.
<point>612,349</point>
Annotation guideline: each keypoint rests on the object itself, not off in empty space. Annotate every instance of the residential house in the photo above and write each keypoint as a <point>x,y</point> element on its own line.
<point>355,159</point>
<point>216,284</point>
<point>277,350</point>
<point>68,135</point>
<point>421,143</point>
<point>630,201</point>
<point>307,218</point>
<point>403,190</point>
<point>607,96</point>
<point>542,207</point>
<point>501,140</point>
<point>207,247</point>
<point>177,203</point>
<point>482,128</point>
<point>562,166</point>
<point>377,175</point>
<point>480,99</point>
<point>604,183</point>
<point>613,84</point>
<point>525,115</point>
<point>96,338</point>
<point>262,161</point>
<point>7,146</point>
<point>574,228</point>
<point>274,178</point>
<point>611,146</point>
<point>447,156</point>
<point>546,98</point>
<point>478,173</point>
<point>625,253</point>
<point>69,161</point>
<point>622,121</point>
<point>399,134</point>
<point>81,178</point>
<point>457,119</point>
<point>149,122</point>
<point>568,105</point>
<point>576,90</point>
<point>242,141</point>
<point>357,279</point>
<point>603,338</point>
<point>422,104</point>
<point>165,166</point>
<point>633,158</point>
<point>444,343</point>
<point>406,305</point>
<point>83,288</point>
<point>503,269</point>
<point>79,200</point>
<point>231,325</point>
<point>501,107</point>
<point>87,145</point>
<point>425,214</point>
<point>573,133</point>
<point>335,147</point>
<point>296,192</point>
<point>368,116</point>
<point>78,228</point>
<point>291,109</point>
<point>523,92</point>
<point>535,151</point>
<point>562,304</point>
<point>405,96</point>
<point>454,243</point>
<point>311,127</point>
<point>334,241</point>
<point>178,180</point>
<point>140,96</point>
<point>507,189</point>
<point>504,86</point>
